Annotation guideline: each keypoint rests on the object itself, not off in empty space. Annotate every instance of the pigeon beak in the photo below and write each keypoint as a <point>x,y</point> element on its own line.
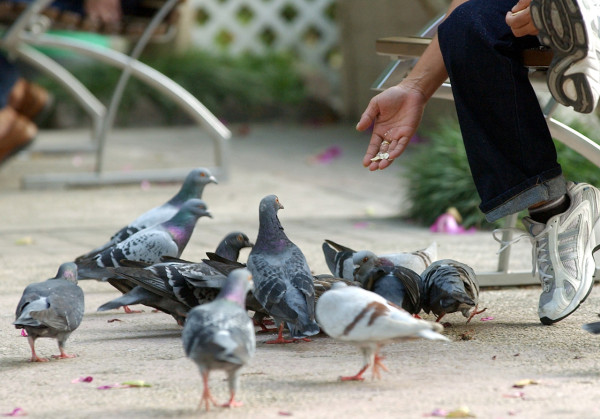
<point>208,214</point>
<point>213,179</point>
<point>280,205</point>
<point>248,243</point>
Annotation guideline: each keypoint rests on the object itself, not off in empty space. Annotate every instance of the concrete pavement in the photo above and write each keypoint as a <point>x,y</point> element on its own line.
<point>339,201</point>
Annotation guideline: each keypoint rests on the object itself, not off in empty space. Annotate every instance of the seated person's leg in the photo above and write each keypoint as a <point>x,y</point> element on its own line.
<point>512,157</point>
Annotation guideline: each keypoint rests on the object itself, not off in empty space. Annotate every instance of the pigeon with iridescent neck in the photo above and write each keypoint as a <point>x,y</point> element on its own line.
<point>220,336</point>
<point>192,187</point>
<point>175,283</point>
<point>397,284</point>
<point>51,309</point>
<point>282,279</point>
<point>339,259</point>
<point>150,245</point>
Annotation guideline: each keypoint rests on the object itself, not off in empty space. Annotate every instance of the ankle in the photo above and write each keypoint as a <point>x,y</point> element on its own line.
<point>543,211</point>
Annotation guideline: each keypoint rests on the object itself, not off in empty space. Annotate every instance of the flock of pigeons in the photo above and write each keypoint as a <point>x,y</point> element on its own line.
<point>367,299</point>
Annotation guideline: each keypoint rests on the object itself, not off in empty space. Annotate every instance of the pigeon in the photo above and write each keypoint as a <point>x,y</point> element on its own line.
<point>149,245</point>
<point>193,187</point>
<point>339,259</point>
<point>220,336</point>
<point>397,284</point>
<point>593,328</point>
<point>367,320</point>
<point>52,308</point>
<point>230,246</point>
<point>450,286</point>
<point>283,282</point>
<point>175,283</point>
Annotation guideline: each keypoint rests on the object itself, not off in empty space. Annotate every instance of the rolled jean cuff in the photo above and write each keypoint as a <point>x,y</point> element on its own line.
<point>544,191</point>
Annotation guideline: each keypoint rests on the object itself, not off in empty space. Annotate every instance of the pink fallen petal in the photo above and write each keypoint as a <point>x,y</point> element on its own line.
<point>441,413</point>
<point>16,412</point>
<point>87,379</point>
<point>361,224</point>
<point>109,386</point>
<point>515,395</point>
<point>486,319</point>
<point>145,185</point>
<point>328,155</point>
<point>24,333</point>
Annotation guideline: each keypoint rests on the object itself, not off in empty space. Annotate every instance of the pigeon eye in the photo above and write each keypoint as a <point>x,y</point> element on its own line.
<point>365,259</point>
<point>240,238</point>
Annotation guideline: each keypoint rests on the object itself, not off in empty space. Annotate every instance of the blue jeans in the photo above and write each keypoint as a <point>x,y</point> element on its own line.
<point>510,151</point>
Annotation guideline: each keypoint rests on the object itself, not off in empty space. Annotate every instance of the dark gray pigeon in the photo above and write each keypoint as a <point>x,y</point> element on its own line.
<point>51,309</point>
<point>283,283</point>
<point>149,245</point>
<point>450,286</point>
<point>192,187</point>
<point>174,283</point>
<point>397,284</point>
<point>230,246</point>
<point>220,336</point>
<point>339,259</point>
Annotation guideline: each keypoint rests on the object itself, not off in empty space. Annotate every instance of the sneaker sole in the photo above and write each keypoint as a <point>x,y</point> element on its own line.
<point>562,27</point>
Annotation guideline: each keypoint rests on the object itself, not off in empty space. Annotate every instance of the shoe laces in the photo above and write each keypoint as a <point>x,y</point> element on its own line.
<point>540,255</point>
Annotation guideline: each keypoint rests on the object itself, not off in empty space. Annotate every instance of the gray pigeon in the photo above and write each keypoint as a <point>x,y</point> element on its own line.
<point>339,259</point>
<point>368,321</point>
<point>174,283</point>
<point>149,245</point>
<point>450,286</point>
<point>192,187</point>
<point>230,246</point>
<point>53,309</point>
<point>282,279</point>
<point>220,336</point>
<point>397,284</point>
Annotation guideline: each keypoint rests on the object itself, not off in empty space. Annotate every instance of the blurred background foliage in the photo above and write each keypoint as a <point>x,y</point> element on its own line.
<point>236,89</point>
<point>438,175</point>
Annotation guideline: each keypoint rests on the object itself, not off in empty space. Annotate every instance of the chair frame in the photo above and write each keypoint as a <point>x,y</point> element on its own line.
<point>30,31</point>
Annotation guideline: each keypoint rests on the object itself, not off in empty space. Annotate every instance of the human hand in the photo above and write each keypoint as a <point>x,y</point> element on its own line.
<point>395,115</point>
<point>105,11</point>
<point>519,19</point>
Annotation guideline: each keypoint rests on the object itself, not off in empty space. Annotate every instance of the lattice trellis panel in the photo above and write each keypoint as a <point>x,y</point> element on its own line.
<point>306,27</point>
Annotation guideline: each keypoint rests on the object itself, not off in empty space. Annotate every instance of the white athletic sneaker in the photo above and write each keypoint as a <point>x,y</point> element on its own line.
<point>564,250</point>
<point>571,29</point>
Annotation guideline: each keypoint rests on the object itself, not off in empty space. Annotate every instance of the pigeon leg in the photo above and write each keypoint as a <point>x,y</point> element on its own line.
<point>474,313</point>
<point>207,397</point>
<point>63,355</point>
<point>262,324</point>
<point>34,357</point>
<point>377,365</point>
<point>440,317</point>
<point>232,402</point>
<point>130,311</point>
<point>280,338</point>
<point>357,377</point>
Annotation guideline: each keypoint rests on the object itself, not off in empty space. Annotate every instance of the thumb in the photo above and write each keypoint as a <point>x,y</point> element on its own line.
<point>368,117</point>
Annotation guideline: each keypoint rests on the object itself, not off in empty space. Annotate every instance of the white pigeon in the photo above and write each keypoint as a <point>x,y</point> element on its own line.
<point>368,321</point>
